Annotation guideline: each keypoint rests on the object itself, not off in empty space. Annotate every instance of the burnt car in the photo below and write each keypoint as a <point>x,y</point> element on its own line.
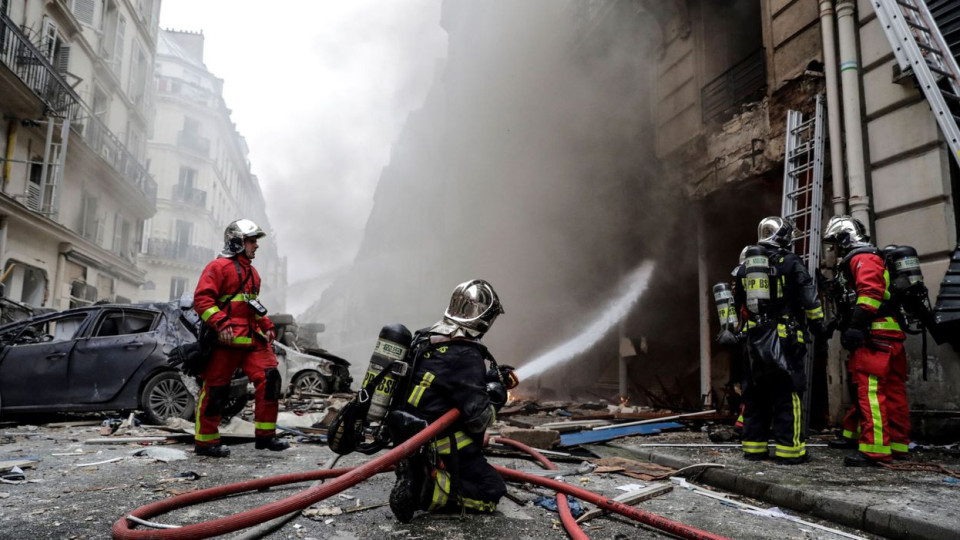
<point>304,366</point>
<point>102,358</point>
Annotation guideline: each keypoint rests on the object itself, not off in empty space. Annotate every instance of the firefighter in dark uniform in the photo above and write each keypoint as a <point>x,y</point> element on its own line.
<point>450,371</point>
<point>776,342</point>
<point>879,424</point>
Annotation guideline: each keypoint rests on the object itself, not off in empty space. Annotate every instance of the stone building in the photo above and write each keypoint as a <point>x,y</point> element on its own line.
<point>204,180</point>
<point>75,109</point>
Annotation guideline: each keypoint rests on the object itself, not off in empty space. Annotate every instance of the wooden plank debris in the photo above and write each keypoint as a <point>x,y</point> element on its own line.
<point>641,470</point>
<point>630,498</point>
<point>641,422</point>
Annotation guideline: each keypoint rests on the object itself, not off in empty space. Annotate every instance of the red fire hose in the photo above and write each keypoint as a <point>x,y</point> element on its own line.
<point>563,507</point>
<point>349,477</point>
<point>345,479</point>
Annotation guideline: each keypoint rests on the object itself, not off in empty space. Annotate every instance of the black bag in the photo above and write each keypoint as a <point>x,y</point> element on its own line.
<point>195,356</point>
<point>346,430</point>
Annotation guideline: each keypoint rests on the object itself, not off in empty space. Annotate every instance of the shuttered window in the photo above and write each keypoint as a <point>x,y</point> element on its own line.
<point>84,11</point>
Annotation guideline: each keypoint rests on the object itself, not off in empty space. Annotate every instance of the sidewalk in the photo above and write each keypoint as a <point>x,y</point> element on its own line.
<point>894,504</point>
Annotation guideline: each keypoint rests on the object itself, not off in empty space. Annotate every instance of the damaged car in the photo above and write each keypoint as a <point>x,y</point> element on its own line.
<point>305,367</point>
<point>107,357</point>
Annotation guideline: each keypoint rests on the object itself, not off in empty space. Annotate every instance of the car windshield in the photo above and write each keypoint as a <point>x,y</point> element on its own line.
<point>45,331</point>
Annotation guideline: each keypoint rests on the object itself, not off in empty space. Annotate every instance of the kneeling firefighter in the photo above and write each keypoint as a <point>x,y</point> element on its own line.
<point>449,371</point>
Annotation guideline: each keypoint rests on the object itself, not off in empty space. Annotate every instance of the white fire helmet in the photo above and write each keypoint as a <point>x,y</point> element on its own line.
<point>235,233</point>
<point>845,233</point>
<point>775,231</point>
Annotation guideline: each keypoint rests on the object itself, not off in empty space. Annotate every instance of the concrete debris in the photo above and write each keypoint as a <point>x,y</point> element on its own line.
<point>161,453</point>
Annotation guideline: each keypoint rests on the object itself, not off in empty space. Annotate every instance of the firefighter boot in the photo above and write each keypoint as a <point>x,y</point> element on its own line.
<point>860,460</point>
<point>406,493</point>
<point>217,450</point>
<point>271,443</point>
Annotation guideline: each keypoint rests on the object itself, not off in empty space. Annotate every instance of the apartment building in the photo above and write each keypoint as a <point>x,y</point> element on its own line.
<point>204,179</point>
<point>75,110</point>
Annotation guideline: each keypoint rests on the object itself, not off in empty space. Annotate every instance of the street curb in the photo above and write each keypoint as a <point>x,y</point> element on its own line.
<point>881,519</point>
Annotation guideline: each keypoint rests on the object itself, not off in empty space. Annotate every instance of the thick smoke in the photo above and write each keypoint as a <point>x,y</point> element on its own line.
<point>530,165</point>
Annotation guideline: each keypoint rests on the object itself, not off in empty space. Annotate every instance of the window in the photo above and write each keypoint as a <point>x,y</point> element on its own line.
<point>123,323</point>
<point>117,63</point>
<point>84,10</point>
<point>65,328</point>
<point>188,177</point>
<point>117,241</point>
<point>137,83</point>
<point>50,40</point>
<point>191,125</point>
<point>82,294</point>
<point>25,284</point>
<point>89,224</point>
<point>178,286</point>
<point>182,237</point>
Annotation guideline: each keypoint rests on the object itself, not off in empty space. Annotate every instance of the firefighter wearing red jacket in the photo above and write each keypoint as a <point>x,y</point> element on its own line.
<point>877,364</point>
<point>226,299</point>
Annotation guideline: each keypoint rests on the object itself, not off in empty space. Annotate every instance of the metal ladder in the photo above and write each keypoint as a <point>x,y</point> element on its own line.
<point>803,200</point>
<point>920,49</point>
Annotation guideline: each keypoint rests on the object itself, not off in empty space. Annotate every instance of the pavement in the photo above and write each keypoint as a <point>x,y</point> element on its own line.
<point>893,503</point>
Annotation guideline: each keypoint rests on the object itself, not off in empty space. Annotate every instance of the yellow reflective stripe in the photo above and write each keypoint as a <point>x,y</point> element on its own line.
<point>420,388</point>
<point>754,447</point>
<point>868,301</point>
<point>876,417</point>
<point>442,446</point>
<point>847,434</point>
<point>196,415</point>
<point>209,313</point>
<point>740,419</point>
<point>782,330</point>
<point>479,506</point>
<point>241,297</point>
<point>875,449</point>
<point>791,451</point>
<point>267,426</point>
<point>206,437</point>
<point>885,325</point>
<point>441,490</point>
<point>797,413</point>
<point>815,313</point>
<point>242,340</point>
<point>899,447</point>
<point>886,284</point>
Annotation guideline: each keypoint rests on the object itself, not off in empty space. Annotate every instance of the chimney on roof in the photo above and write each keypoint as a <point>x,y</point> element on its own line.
<point>190,42</point>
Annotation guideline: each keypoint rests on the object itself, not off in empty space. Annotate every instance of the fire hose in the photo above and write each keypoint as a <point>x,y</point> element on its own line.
<point>563,507</point>
<point>346,478</point>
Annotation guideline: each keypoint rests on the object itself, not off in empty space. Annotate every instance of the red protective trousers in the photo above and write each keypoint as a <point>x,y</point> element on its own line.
<point>880,420</point>
<point>223,364</point>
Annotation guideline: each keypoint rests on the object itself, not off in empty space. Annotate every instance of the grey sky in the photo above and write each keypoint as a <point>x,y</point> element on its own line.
<point>320,90</point>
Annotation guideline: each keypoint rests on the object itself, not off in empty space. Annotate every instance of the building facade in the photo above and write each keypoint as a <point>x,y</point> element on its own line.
<point>76,108</point>
<point>204,180</point>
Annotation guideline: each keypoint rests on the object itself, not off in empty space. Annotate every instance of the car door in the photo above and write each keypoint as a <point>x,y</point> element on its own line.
<point>117,344</point>
<point>35,363</point>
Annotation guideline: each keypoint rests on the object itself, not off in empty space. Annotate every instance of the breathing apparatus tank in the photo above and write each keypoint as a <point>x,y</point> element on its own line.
<point>723,297</point>
<point>756,263</point>
<point>908,289</point>
<point>391,348</point>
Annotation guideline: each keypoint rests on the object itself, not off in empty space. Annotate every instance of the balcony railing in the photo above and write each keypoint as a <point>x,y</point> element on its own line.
<point>735,86</point>
<point>190,196</point>
<point>169,249</point>
<point>35,70</point>
<point>102,141</point>
<point>194,143</point>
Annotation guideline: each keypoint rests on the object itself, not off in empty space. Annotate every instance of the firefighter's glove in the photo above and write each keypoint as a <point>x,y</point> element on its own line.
<point>853,338</point>
<point>820,330</point>
<point>497,393</point>
<point>726,337</point>
<point>508,376</point>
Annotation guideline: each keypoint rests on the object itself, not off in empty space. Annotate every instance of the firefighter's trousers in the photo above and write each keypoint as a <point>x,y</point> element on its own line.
<point>216,382</point>
<point>462,477</point>
<point>773,400</point>
<point>880,419</point>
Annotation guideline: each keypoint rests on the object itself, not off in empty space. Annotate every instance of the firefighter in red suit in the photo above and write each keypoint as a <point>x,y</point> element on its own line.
<point>226,299</point>
<point>879,427</point>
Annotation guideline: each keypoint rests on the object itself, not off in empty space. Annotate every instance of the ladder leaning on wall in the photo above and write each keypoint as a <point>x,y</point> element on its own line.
<point>803,201</point>
<point>920,49</point>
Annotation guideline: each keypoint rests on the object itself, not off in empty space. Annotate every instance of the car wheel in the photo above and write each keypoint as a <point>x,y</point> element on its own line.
<point>310,382</point>
<point>165,396</point>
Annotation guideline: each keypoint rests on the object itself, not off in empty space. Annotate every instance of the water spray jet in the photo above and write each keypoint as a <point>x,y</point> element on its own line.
<point>632,288</point>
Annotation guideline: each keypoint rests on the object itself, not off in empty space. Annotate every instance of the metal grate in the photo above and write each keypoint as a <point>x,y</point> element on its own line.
<point>737,85</point>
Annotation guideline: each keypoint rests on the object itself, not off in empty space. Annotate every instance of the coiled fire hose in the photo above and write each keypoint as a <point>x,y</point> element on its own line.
<point>563,507</point>
<point>346,478</point>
